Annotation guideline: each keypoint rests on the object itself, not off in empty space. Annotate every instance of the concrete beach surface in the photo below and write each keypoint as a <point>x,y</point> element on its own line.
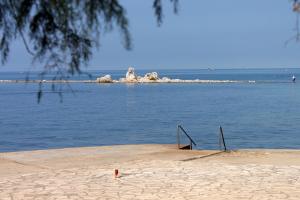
<point>149,172</point>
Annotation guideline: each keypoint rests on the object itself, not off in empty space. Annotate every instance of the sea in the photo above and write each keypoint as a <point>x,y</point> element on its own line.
<point>262,110</point>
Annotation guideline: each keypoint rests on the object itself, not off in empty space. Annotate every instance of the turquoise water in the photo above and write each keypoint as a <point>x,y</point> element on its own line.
<point>264,114</point>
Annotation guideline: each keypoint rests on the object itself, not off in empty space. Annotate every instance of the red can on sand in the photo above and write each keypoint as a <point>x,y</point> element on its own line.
<point>116,173</point>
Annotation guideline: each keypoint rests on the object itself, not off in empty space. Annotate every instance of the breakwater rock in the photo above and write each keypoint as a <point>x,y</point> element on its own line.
<point>104,79</point>
<point>153,77</point>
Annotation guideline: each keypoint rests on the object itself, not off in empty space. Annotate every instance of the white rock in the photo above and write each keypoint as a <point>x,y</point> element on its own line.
<point>105,79</point>
<point>130,75</point>
<point>144,80</point>
<point>165,79</point>
<point>153,76</point>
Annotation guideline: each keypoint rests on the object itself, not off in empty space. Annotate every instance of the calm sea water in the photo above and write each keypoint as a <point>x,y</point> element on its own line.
<point>265,114</point>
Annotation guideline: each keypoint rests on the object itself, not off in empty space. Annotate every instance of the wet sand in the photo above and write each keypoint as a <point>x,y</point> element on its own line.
<point>149,172</point>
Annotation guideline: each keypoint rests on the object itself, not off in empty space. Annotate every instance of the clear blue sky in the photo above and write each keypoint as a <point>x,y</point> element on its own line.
<point>205,33</point>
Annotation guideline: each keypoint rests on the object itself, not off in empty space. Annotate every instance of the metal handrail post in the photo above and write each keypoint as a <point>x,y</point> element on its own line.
<point>187,134</point>
<point>222,138</point>
<point>178,138</point>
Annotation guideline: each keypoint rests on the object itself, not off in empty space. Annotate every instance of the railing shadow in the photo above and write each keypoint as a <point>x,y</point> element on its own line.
<point>205,156</point>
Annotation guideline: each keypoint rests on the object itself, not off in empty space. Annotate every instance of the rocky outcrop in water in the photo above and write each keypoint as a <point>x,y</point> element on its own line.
<point>149,77</point>
<point>104,79</point>
<point>153,77</point>
<point>130,75</point>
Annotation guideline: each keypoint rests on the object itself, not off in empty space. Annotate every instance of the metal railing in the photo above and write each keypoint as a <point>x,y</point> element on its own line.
<point>180,129</point>
<point>190,146</point>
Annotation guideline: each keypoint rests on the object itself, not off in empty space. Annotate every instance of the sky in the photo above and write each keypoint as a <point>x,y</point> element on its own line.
<point>204,34</point>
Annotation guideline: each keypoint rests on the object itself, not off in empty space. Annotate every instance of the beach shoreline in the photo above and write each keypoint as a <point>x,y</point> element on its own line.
<point>149,172</point>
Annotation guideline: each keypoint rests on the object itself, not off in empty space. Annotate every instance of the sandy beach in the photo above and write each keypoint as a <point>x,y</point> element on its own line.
<point>149,172</point>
